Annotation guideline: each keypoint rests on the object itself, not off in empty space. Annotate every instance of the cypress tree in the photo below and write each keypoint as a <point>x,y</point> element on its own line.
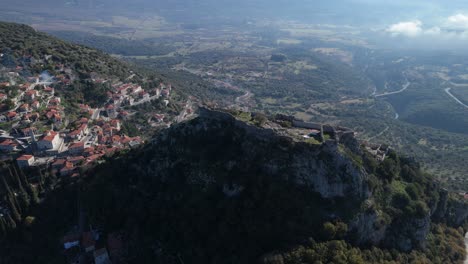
<point>3,226</point>
<point>5,184</point>
<point>23,177</point>
<point>14,207</point>
<point>10,222</point>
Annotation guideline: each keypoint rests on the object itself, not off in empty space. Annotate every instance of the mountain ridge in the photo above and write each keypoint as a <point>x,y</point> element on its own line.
<point>283,187</point>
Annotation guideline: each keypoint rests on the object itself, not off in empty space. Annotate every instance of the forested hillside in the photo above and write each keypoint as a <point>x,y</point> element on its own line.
<point>21,43</point>
<point>185,198</point>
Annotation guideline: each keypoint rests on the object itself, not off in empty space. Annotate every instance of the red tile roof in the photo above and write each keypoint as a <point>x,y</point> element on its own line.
<point>25,157</point>
<point>50,136</point>
<point>77,145</point>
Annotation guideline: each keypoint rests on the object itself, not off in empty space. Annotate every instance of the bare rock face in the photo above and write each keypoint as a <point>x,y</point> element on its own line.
<point>410,234</point>
<point>329,172</point>
<point>368,229</point>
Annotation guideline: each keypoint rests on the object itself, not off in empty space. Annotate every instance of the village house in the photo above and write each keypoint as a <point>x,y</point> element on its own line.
<point>144,95</point>
<point>76,148</point>
<point>30,95</point>
<point>49,91</point>
<point>88,151</point>
<point>76,160</point>
<point>91,159</point>
<point>110,110</point>
<point>25,87</point>
<point>84,108</point>
<point>25,161</point>
<point>123,114</point>
<point>165,93</point>
<point>26,118</point>
<point>79,133</point>
<point>83,120</point>
<point>35,105</point>
<point>115,123</point>
<point>55,101</point>
<point>51,140</point>
<point>68,169</point>
<point>8,145</point>
<point>158,118</point>
<point>57,119</point>
<point>156,92</point>
<point>12,116</point>
<point>117,98</point>
<point>58,164</point>
<point>136,89</point>
<point>24,108</point>
<point>50,114</point>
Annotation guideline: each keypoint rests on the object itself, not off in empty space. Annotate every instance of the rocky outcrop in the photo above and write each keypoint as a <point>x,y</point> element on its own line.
<point>368,228</point>
<point>323,168</point>
<point>408,233</point>
<point>218,152</point>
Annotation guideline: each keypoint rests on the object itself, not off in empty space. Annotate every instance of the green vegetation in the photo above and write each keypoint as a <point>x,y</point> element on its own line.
<point>113,45</point>
<point>442,239</point>
<point>23,41</point>
<point>269,212</point>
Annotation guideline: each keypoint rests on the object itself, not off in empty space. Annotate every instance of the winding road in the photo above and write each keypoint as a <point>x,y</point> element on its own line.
<point>447,90</point>
<point>379,134</point>
<point>405,86</point>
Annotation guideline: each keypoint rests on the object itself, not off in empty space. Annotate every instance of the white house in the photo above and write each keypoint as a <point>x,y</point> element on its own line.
<point>51,140</point>
<point>25,161</point>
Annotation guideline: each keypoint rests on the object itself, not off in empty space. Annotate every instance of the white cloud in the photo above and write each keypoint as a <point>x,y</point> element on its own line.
<point>407,28</point>
<point>433,31</point>
<point>458,21</point>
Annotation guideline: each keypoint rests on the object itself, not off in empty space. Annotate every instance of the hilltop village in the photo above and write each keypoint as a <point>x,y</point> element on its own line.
<point>35,129</point>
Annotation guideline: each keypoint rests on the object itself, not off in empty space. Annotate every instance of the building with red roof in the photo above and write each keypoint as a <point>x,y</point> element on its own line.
<point>25,161</point>
<point>51,140</point>
<point>8,145</point>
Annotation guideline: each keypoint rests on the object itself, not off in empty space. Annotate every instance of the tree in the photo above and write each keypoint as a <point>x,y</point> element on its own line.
<point>329,231</point>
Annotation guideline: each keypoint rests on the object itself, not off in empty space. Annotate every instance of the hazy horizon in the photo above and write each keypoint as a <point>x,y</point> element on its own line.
<point>417,24</point>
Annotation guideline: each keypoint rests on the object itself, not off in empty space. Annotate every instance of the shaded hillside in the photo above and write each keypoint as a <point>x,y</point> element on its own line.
<point>219,190</point>
<point>36,51</point>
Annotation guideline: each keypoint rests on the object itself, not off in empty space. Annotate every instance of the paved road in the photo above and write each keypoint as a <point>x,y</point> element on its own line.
<point>405,86</point>
<point>142,101</point>
<point>447,90</point>
<point>244,98</point>
<point>379,134</point>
